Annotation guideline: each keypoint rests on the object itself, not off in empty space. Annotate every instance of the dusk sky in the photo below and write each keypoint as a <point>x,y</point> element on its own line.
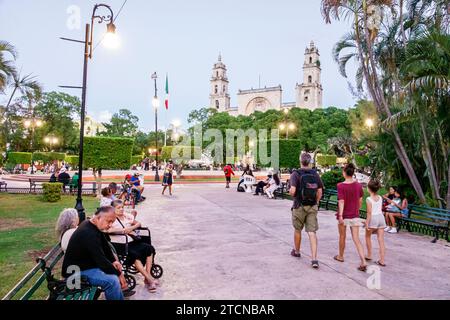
<point>179,37</point>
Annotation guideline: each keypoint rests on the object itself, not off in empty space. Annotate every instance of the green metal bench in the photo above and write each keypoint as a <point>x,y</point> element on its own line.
<point>43,271</point>
<point>427,220</point>
<point>328,201</point>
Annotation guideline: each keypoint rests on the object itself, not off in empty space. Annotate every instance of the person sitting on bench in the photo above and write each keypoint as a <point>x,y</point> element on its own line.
<point>90,250</point>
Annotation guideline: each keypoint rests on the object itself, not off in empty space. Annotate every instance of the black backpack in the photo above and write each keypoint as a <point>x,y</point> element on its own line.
<point>307,193</point>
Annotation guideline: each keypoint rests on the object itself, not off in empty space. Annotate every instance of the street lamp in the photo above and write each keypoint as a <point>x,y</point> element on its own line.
<point>51,141</point>
<point>288,127</point>
<point>110,40</point>
<point>370,123</point>
<point>156,105</point>
<point>31,124</point>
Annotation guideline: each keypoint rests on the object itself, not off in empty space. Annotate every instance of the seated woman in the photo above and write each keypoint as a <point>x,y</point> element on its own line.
<point>389,196</point>
<point>397,208</point>
<point>262,184</point>
<point>65,226</point>
<point>273,185</point>
<point>106,198</point>
<point>140,253</point>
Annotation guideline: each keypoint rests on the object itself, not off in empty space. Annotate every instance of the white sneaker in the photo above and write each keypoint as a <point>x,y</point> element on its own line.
<point>393,230</point>
<point>387,229</point>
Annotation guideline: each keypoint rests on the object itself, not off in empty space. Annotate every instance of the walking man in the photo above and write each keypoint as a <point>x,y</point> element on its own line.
<point>307,190</point>
<point>228,172</point>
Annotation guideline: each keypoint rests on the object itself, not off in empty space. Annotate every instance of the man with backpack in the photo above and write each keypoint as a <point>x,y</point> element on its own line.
<point>307,190</point>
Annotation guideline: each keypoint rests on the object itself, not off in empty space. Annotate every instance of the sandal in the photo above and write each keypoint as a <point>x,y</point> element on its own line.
<point>151,288</point>
<point>294,254</point>
<point>337,259</point>
<point>315,264</point>
<point>368,259</point>
<point>380,264</point>
<point>362,268</point>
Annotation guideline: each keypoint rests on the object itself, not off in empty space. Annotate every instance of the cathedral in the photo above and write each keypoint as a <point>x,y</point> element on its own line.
<point>308,94</point>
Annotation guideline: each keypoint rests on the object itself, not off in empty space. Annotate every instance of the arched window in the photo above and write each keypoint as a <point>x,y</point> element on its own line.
<point>217,74</point>
<point>224,89</point>
<point>216,90</point>
<point>217,104</point>
<point>310,59</point>
<point>306,98</point>
<point>310,79</point>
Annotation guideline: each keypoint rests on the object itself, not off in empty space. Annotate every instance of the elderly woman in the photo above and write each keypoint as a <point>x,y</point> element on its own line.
<point>66,225</point>
<point>140,253</point>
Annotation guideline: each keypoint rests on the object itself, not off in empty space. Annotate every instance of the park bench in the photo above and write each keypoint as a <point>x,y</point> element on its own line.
<point>43,270</point>
<point>427,220</point>
<point>329,200</point>
<point>34,181</point>
<point>3,185</point>
<point>282,191</point>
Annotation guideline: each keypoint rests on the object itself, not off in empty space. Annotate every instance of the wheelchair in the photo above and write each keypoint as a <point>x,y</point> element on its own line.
<point>129,269</point>
<point>129,196</point>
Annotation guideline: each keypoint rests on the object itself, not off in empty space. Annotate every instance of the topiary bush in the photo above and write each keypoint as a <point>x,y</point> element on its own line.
<point>289,153</point>
<point>19,158</point>
<point>330,179</point>
<point>47,157</point>
<point>326,160</point>
<point>73,161</point>
<point>52,191</point>
<point>137,159</point>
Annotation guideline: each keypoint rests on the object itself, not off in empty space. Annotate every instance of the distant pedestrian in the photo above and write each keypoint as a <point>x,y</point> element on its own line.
<point>228,173</point>
<point>168,179</point>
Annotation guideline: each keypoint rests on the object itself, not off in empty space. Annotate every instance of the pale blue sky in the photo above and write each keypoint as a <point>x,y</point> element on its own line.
<point>182,38</point>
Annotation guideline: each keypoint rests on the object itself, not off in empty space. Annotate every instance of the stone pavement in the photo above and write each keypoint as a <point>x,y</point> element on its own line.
<point>219,244</point>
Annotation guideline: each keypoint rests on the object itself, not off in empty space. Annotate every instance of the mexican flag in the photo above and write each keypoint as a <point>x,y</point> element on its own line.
<point>167,92</point>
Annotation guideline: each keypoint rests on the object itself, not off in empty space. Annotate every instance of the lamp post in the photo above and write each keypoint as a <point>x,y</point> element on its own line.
<point>370,123</point>
<point>110,41</point>
<point>51,141</point>
<point>288,127</point>
<point>32,124</point>
<point>156,103</point>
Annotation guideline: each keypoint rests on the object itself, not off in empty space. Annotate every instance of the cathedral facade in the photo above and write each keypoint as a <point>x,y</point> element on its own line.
<point>308,94</point>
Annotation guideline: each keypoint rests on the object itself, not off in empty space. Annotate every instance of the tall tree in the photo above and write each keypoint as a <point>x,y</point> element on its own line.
<point>122,124</point>
<point>6,65</point>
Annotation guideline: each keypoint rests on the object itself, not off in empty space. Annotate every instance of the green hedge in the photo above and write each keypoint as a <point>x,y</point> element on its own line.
<point>47,157</point>
<point>72,160</point>
<point>326,160</point>
<point>289,153</point>
<point>52,191</point>
<point>107,153</point>
<point>19,158</point>
<point>136,159</point>
<point>182,153</point>
<point>330,179</point>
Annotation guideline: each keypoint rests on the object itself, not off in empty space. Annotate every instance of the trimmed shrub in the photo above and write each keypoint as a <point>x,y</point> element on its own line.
<point>72,160</point>
<point>326,160</point>
<point>107,153</point>
<point>289,153</point>
<point>52,191</point>
<point>177,153</point>
<point>136,159</point>
<point>19,158</point>
<point>47,157</point>
<point>330,179</point>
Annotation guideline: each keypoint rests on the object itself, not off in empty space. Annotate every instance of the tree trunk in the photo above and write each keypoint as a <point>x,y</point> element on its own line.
<point>429,162</point>
<point>401,24</point>
<point>7,122</point>
<point>448,188</point>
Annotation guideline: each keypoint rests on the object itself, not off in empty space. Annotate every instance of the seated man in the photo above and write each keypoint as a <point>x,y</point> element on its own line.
<point>137,184</point>
<point>90,250</point>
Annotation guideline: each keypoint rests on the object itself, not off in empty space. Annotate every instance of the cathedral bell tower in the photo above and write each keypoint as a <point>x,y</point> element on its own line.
<point>219,97</point>
<point>309,94</point>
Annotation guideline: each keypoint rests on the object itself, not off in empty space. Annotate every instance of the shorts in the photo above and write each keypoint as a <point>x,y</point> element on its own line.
<point>377,222</point>
<point>356,222</point>
<point>228,179</point>
<point>305,218</point>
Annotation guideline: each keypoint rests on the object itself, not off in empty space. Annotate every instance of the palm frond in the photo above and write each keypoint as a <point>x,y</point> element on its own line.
<point>401,116</point>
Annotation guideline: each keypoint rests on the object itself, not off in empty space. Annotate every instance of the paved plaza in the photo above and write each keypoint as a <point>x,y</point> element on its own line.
<point>219,244</point>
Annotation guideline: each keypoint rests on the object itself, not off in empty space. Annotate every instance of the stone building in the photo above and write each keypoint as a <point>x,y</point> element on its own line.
<point>308,94</point>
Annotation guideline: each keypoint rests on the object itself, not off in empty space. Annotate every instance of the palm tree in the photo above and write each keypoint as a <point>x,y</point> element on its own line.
<point>6,66</point>
<point>365,39</point>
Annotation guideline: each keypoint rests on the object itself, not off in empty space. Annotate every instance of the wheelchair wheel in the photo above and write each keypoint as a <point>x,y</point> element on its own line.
<point>131,281</point>
<point>157,271</point>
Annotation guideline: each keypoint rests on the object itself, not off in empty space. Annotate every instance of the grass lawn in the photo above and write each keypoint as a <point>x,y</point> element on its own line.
<point>27,226</point>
